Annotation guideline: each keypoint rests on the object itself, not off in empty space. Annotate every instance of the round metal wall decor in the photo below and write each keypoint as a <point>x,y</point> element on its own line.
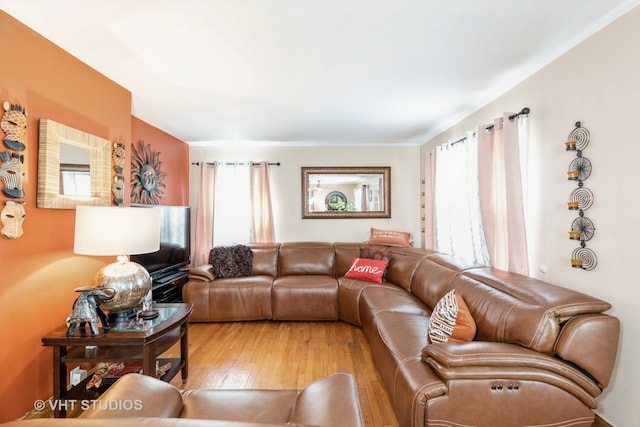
<point>146,176</point>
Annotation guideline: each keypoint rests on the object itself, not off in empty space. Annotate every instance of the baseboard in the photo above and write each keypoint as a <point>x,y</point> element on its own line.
<point>599,422</point>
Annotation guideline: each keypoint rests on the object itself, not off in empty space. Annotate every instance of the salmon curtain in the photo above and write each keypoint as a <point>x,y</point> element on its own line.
<point>261,209</point>
<point>501,193</point>
<point>429,200</point>
<point>203,237</point>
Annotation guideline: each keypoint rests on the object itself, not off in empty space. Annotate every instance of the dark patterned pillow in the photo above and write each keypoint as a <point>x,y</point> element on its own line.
<point>231,261</point>
<point>379,254</point>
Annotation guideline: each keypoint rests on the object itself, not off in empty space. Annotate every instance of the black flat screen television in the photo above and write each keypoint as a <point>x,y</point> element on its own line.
<point>175,243</point>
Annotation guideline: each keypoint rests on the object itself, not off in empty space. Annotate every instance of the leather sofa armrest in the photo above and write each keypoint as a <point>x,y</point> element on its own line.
<point>201,272</point>
<point>484,359</point>
<point>329,402</point>
<point>136,395</point>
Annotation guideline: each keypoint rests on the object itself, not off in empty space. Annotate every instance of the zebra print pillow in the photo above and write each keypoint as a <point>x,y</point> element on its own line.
<point>451,320</point>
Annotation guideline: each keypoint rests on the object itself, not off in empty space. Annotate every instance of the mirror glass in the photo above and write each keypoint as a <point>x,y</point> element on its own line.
<point>74,167</point>
<point>75,176</point>
<point>351,192</point>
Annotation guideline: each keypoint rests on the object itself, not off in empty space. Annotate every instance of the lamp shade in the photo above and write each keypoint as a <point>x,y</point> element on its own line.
<point>105,230</point>
<point>119,231</point>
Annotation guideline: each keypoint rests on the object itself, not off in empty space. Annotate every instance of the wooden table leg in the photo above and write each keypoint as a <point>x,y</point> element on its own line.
<point>184,351</point>
<point>149,360</point>
<point>59,381</point>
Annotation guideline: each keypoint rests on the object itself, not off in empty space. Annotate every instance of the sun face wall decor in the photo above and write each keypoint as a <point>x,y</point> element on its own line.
<point>146,177</point>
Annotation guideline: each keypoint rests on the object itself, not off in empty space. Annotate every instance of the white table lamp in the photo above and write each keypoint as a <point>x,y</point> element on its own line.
<point>119,231</point>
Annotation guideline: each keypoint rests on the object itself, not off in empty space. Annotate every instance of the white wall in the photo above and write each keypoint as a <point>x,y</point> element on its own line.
<point>597,83</point>
<point>287,192</point>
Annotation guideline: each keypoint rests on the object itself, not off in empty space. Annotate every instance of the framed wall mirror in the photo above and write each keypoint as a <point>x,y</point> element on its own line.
<point>346,192</point>
<point>74,167</point>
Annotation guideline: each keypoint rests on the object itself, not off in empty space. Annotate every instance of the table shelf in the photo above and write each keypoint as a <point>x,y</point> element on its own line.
<point>122,353</point>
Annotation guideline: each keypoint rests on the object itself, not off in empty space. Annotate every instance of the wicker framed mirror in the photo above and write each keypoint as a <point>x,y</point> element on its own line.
<point>58,141</point>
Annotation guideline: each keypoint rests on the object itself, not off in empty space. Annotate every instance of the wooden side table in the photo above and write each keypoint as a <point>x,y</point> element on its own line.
<point>141,343</point>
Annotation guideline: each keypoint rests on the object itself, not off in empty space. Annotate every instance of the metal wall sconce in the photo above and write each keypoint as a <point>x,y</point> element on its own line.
<point>580,199</point>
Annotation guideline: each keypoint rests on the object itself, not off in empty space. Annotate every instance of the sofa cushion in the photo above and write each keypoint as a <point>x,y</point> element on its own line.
<point>502,317</point>
<point>370,270</point>
<point>306,258</point>
<point>231,261</point>
<point>513,308</point>
<point>136,389</point>
<point>265,258</point>
<point>376,299</point>
<point>238,298</point>
<point>451,320</point>
<point>434,275</point>
<point>263,406</point>
<point>310,297</point>
<point>331,401</point>
<point>403,265</point>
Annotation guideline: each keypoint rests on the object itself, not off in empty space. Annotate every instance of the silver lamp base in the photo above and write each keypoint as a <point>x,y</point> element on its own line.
<point>131,283</point>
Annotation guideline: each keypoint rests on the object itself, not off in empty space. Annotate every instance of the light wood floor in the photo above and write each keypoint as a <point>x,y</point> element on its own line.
<point>284,355</point>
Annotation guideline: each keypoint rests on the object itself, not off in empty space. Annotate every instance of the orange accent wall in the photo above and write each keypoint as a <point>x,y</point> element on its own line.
<point>39,272</point>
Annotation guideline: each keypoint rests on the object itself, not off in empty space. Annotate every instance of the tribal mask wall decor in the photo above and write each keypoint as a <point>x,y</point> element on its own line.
<point>11,173</point>
<point>14,126</point>
<point>118,156</point>
<point>12,217</point>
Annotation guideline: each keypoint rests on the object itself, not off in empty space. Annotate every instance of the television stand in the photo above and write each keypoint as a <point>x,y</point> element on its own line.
<point>168,287</point>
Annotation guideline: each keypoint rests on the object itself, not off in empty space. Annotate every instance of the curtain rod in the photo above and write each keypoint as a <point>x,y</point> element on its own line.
<point>523,112</point>
<point>236,163</point>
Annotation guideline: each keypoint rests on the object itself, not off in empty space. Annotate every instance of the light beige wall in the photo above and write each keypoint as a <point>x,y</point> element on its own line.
<point>597,83</point>
<point>286,186</point>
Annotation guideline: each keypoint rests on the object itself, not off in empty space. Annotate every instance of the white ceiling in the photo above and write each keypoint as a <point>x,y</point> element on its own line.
<point>314,72</point>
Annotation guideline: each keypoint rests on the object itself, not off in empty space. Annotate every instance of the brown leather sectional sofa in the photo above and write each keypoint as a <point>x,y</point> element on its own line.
<point>541,354</point>
<point>141,400</point>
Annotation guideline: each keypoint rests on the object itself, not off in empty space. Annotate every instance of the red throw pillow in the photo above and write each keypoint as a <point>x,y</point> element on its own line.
<point>370,270</point>
<point>382,254</point>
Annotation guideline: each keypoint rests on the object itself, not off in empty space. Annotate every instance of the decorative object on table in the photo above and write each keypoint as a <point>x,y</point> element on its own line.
<point>146,176</point>
<point>12,217</point>
<point>86,309</point>
<point>109,372</point>
<point>149,314</point>
<point>119,231</point>
<point>118,156</point>
<point>580,199</point>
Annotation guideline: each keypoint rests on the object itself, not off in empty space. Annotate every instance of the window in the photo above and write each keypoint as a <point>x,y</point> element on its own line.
<point>457,205</point>
<point>476,195</point>
<point>232,205</point>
